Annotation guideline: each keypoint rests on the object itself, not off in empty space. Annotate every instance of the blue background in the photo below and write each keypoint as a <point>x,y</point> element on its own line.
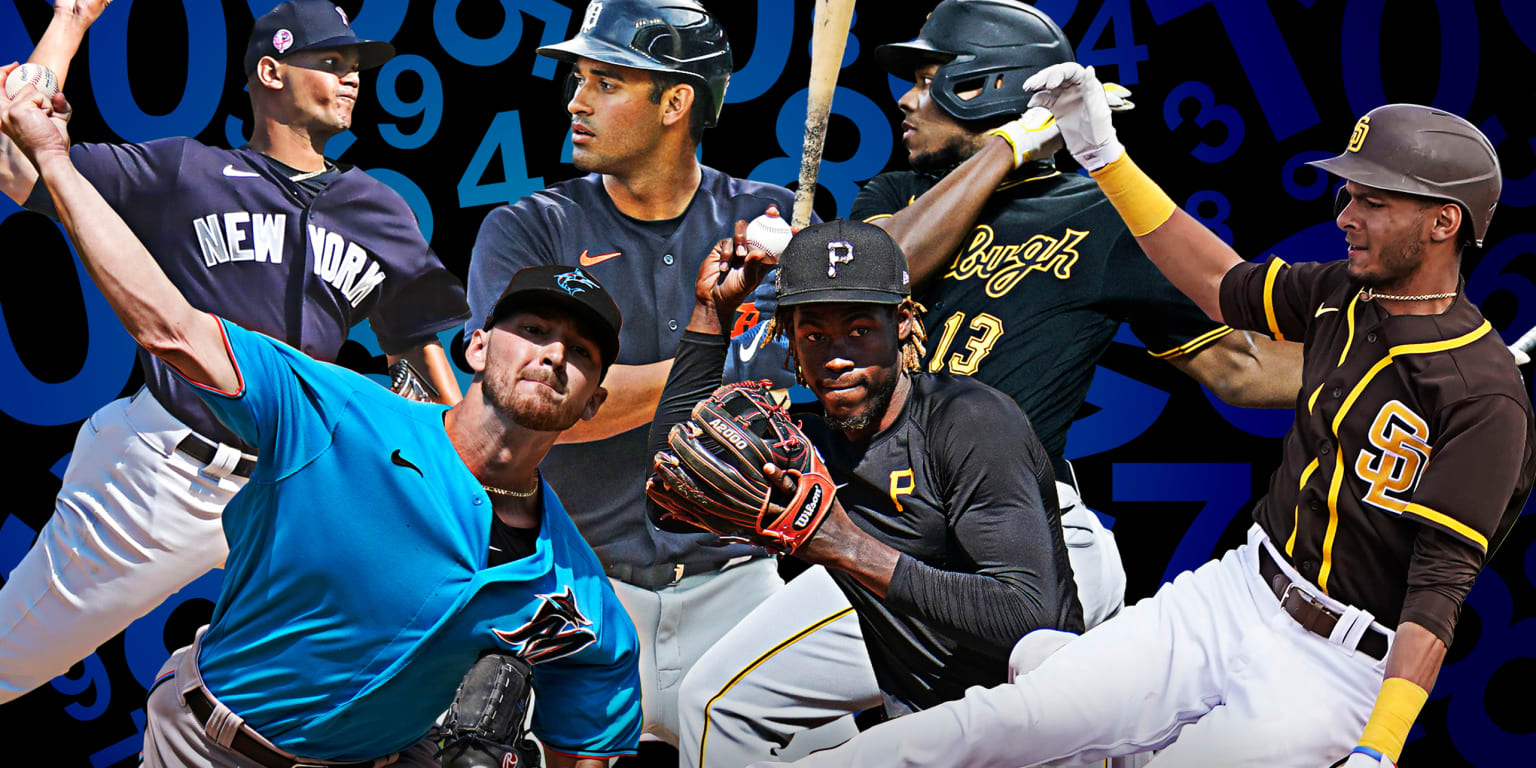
<point>1233,97</point>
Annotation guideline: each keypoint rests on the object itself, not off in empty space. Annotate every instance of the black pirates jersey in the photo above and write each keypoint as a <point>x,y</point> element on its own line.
<point>959,485</point>
<point>1038,290</point>
<point>1413,449</point>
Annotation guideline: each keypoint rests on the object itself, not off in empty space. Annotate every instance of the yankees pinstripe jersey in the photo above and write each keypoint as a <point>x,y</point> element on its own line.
<point>1038,289</point>
<point>241,240</point>
<point>1412,450</point>
<point>356,593</point>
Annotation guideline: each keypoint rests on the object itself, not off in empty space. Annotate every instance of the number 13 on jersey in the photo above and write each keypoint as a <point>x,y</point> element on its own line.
<point>965,363</point>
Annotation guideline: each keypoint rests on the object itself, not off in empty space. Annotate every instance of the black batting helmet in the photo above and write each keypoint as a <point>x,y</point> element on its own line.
<point>1423,151</point>
<point>991,45</point>
<point>676,36</point>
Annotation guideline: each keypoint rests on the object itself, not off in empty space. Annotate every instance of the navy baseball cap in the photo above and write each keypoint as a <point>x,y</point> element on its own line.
<point>842,261</point>
<point>302,25</point>
<point>570,288</point>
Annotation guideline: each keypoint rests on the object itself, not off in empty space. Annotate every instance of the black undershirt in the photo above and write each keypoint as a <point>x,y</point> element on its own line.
<point>508,543</point>
<point>662,228</point>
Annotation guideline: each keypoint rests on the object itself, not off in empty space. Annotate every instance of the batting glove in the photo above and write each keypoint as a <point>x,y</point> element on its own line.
<point>1074,95</point>
<point>1034,135</point>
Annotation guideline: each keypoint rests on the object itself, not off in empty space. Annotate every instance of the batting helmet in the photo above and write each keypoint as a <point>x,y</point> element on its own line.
<point>1422,151</point>
<point>675,36</point>
<point>993,45</point>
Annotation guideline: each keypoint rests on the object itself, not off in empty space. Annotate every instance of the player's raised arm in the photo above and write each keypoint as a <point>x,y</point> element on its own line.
<point>71,18</point>
<point>151,308</point>
<point>1192,257</point>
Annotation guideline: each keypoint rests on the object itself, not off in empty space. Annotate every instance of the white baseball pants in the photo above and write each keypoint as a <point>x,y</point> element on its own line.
<point>134,522</point>
<point>1210,670</point>
<point>799,660</point>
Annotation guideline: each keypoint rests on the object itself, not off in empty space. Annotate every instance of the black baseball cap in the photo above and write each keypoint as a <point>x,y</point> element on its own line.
<point>842,261</point>
<point>569,288</point>
<point>302,25</point>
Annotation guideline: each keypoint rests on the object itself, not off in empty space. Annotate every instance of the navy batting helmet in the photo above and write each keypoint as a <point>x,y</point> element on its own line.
<point>675,36</point>
<point>991,45</point>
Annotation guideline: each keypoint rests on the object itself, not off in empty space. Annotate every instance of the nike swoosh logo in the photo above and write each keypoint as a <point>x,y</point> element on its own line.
<point>400,461</point>
<point>592,261</point>
<point>1321,310</point>
<point>750,347</point>
<point>229,170</point>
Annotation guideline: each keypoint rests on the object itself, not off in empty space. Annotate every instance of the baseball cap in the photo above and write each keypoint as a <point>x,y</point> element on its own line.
<point>570,288</point>
<point>842,261</point>
<point>302,25</point>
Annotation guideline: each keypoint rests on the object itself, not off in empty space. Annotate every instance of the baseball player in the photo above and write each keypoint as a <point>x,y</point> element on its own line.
<point>1317,641</point>
<point>944,547</point>
<point>1026,272</point>
<point>383,544</point>
<point>648,76</point>
<point>271,236</point>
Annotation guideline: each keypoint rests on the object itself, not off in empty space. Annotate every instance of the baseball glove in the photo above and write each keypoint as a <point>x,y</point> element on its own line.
<point>484,725</point>
<point>407,382</point>
<point>712,477</point>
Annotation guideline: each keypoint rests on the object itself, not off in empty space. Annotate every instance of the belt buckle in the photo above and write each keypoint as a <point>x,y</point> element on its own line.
<point>1307,598</point>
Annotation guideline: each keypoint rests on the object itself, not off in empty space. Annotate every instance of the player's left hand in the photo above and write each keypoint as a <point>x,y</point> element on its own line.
<point>730,273</point>
<point>80,12</point>
<point>27,120</point>
<point>1035,135</point>
<point>1078,100</point>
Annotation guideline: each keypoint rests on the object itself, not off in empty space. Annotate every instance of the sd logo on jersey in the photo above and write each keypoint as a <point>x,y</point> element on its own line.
<point>557,629</point>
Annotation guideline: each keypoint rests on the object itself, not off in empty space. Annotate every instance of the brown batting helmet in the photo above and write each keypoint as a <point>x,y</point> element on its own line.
<point>1423,151</point>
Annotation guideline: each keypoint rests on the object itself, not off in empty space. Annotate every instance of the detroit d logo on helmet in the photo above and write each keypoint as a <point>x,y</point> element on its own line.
<point>593,11</point>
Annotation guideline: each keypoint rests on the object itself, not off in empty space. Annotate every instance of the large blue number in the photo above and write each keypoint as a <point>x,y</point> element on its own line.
<point>1298,163</point>
<point>770,50</point>
<point>429,104</point>
<point>1517,193</point>
<point>93,675</point>
<point>413,195</point>
<point>1224,488</point>
<point>108,360</point>
<point>205,74</point>
<point>840,177</point>
<point>484,52</point>
<point>1125,54</point>
<point>505,133</point>
<point>1209,112</point>
<point>1263,54</point>
<point>1362,55</point>
<point>1494,274</point>
<point>1127,408</point>
<point>1503,639</point>
<point>1221,208</point>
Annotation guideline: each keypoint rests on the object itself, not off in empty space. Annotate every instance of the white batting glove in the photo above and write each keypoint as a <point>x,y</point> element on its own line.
<point>1362,759</point>
<point>1034,135</point>
<point>1074,95</point>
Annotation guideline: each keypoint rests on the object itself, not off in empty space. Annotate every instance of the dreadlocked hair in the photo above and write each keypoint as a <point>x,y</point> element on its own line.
<point>913,348</point>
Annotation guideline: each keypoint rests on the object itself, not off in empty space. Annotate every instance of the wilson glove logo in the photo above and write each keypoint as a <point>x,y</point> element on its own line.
<point>808,510</point>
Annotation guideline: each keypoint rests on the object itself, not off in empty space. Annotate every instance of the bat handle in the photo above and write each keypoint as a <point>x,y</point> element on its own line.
<point>1526,343</point>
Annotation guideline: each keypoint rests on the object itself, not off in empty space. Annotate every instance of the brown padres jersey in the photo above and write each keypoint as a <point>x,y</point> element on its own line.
<point>1412,450</point>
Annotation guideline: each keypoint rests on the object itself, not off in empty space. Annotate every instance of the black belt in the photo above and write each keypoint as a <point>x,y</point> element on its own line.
<point>202,708</point>
<point>663,574</point>
<point>204,451</point>
<point>1311,614</point>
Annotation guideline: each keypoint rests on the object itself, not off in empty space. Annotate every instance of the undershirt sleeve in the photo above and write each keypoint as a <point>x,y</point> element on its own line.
<point>696,372</point>
<point>999,522</point>
<point>879,198</point>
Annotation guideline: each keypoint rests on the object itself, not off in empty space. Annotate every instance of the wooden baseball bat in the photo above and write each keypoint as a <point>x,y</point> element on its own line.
<point>828,37</point>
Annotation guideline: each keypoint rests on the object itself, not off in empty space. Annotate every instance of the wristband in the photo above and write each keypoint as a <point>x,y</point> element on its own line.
<point>1397,706</point>
<point>1143,204</point>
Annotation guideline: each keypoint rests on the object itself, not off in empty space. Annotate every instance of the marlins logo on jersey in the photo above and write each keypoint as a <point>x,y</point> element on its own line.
<point>557,629</point>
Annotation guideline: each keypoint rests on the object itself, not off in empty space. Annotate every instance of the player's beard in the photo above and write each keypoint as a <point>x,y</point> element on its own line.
<point>954,152</point>
<point>1396,261</point>
<point>537,412</point>
<point>874,408</point>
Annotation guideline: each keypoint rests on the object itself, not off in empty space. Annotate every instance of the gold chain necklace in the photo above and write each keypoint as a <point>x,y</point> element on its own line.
<point>514,494</point>
<point>1367,294</point>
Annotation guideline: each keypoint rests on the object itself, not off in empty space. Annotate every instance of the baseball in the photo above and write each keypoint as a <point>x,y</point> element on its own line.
<point>35,75</point>
<point>769,231</point>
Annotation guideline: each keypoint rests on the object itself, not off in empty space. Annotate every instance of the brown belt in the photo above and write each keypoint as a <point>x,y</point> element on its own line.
<point>204,451</point>
<point>1311,614</point>
<point>202,708</point>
